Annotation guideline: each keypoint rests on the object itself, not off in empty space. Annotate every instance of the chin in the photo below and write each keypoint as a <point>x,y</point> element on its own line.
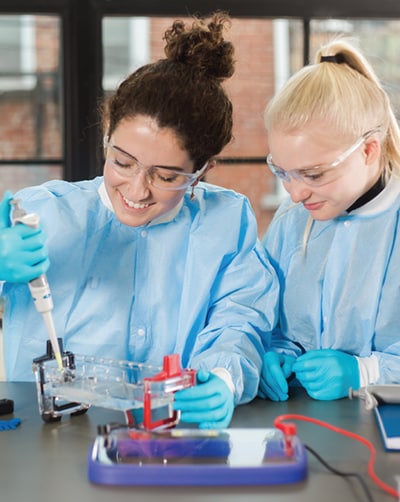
<point>131,221</point>
<point>325,217</point>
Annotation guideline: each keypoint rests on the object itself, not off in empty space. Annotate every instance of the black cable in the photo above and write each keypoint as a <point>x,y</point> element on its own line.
<point>342,473</point>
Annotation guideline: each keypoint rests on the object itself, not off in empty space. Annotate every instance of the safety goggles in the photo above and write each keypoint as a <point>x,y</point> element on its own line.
<point>164,178</point>
<point>322,174</point>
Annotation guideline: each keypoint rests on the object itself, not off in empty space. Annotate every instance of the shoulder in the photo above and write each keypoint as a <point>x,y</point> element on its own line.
<point>211,197</point>
<point>286,231</point>
<point>220,210</point>
<point>58,191</point>
<point>61,200</point>
<point>58,188</point>
<point>288,215</point>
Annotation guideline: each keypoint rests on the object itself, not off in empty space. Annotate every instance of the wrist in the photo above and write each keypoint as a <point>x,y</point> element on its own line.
<point>368,368</point>
<point>224,375</point>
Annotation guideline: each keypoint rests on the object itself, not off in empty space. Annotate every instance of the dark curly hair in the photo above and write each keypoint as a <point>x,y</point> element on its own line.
<point>183,91</point>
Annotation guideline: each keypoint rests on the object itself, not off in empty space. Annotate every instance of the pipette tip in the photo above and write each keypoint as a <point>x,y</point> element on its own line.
<point>57,355</point>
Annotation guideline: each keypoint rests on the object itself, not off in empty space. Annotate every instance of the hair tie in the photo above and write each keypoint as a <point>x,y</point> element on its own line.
<point>337,58</point>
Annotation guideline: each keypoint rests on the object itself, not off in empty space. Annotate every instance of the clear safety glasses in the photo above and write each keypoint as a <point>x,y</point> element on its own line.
<point>164,178</point>
<point>322,174</point>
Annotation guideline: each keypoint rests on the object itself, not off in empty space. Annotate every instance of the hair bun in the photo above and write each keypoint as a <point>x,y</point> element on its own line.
<point>202,46</point>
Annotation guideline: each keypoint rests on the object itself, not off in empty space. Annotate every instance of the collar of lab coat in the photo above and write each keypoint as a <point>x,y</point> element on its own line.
<point>383,201</point>
<point>164,218</point>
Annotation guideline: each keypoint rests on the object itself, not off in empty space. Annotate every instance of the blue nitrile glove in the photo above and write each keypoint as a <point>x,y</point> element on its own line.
<point>210,403</point>
<point>276,369</point>
<point>327,374</point>
<point>23,253</point>
<point>7,425</point>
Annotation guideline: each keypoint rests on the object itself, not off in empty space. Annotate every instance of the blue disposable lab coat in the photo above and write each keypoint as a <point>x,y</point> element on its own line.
<point>197,285</point>
<point>343,291</point>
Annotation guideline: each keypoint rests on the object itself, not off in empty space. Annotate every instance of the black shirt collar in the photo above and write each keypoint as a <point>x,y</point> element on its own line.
<point>369,195</point>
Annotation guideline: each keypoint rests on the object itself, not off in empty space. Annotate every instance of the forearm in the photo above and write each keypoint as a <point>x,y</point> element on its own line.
<point>240,360</point>
<point>386,367</point>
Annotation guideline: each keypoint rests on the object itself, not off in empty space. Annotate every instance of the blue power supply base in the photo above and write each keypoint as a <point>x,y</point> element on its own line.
<point>182,457</point>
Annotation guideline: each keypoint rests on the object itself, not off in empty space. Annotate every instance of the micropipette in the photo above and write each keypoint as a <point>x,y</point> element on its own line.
<point>39,287</point>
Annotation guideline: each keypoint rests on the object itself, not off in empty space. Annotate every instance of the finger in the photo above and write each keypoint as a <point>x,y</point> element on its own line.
<point>312,382</point>
<point>287,368</point>
<point>306,365</point>
<point>29,258</point>
<point>312,355</point>
<point>319,394</point>
<point>21,238</point>
<point>261,393</point>
<point>275,378</point>
<point>205,403</point>
<point>315,386</point>
<point>197,392</point>
<point>26,273</point>
<point>272,393</point>
<point>204,414</point>
<point>203,376</point>
<point>221,424</point>
<point>310,375</point>
<point>35,243</point>
<point>215,422</point>
<point>25,232</point>
<point>5,210</point>
<point>313,389</point>
<point>214,425</point>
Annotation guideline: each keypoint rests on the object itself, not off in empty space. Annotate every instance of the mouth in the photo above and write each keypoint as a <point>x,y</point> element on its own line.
<point>134,205</point>
<point>314,206</point>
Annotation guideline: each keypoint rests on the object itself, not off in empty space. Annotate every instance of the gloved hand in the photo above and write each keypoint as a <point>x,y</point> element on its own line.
<point>276,369</point>
<point>210,403</point>
<point>23,253</point>
<point>327,374</point>
<point>7,425</point>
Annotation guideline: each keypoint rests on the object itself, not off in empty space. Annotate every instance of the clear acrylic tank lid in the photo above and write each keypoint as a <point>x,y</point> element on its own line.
<point>143,392</point>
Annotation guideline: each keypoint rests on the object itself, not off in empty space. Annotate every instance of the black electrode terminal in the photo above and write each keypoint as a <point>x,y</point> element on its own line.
<point>6,406</point>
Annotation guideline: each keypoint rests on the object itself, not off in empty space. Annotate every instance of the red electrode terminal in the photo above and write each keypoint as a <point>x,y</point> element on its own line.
<point>289,431</point>
<point>171,378</point>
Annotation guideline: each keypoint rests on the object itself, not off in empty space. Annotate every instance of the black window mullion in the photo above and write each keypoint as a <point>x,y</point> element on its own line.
<point>82,89</point>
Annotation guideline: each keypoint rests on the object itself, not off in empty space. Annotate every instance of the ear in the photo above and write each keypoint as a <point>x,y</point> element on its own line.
<point>372,150</point>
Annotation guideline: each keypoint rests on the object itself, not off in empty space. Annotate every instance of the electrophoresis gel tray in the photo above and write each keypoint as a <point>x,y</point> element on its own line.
<point>127,456</point>
<point>143,392</point>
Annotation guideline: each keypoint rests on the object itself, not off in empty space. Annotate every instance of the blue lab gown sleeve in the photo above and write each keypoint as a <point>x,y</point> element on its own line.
<point>341,290</point>
<point>198,285</point>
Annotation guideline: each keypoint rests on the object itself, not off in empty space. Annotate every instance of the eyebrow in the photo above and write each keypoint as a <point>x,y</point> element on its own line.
<point>173,168</point>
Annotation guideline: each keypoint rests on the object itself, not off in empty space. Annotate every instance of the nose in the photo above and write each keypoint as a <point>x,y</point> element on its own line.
<point>138,185</point>
<point>297,189</point>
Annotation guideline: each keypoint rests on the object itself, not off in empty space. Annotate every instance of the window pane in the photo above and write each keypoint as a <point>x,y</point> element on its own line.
<point>10,40</point>
<point>30,99</point>
<point>16,177</point>
<point>378,39</point>
<point>125,47</point>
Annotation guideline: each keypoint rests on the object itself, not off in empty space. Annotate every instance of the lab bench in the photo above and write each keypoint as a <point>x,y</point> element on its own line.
<point>48,461</point>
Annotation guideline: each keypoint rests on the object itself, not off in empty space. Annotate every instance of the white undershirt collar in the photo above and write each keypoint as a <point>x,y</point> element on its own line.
<point>163,218</point>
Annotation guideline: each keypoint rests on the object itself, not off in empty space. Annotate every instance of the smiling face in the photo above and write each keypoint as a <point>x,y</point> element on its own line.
<point>135,201</point>
<point>318,145</point>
